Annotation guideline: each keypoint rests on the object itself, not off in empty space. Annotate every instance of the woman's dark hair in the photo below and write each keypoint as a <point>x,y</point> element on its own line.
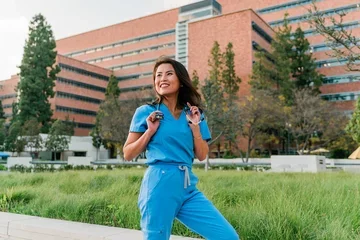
<point>187,92</point>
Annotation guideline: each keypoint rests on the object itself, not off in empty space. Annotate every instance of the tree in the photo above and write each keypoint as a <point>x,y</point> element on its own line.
<point>14,142</point>
<point>195,80</point>
<point>311,117</point>
<point>115,121</point>
<point>303,65</point>
<point>230,82</point>
<point>112,89</point>
<point>58,138</point>
<point>213,95</point>
<point>344,46</point>
<point>258,112</point>
<point>2,114</point>
<point>15,111</point>
<point>2,134</point>
<point>38,74</point>
<point>272,71</point>
<point>31,132</point>
<point>353,127</point>
<point>97,141</point>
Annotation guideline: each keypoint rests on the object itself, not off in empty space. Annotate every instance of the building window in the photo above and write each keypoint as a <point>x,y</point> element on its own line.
<point>339,97</point>
<point>80,84</point>
<point>75,111</point>
<point>124,42</point>
<point>285,6</point>
<point>78,97</point>
<point>261,32</point>
<point>83,72</point>
<point>342,79</point>
<point>328,12</point>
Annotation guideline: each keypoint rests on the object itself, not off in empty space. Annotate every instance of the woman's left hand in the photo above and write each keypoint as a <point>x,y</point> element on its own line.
<point>194,116</point>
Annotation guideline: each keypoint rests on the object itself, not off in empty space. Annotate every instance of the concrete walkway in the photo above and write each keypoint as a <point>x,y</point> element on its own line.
<point>23,227</point>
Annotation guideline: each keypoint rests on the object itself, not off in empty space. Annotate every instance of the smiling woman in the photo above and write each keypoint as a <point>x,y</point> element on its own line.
<point>168,189</point>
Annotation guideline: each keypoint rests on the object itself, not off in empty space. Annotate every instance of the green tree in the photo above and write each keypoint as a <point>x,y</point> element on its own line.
<point>58,138</point>
<point>14,142</point>
<point>303,65</point>
<point>353,127</point>
<point>15,111</point>
<point>213,95</point>
<point>112,89</point>
<point>31,132</point>
<point>2,134</point>
<point>230,82</point>
<point>195,80</point>
<point>38,74</point>
<point>259,112</point>
<point>272,71</point>
<point>97,141</point>
<point>2,113</point>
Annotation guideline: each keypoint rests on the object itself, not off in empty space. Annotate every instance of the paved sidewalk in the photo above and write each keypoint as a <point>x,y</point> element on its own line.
<point>23,227</point>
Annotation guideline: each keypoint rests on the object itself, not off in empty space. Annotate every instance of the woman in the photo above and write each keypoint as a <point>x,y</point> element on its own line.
<point>173,130</point>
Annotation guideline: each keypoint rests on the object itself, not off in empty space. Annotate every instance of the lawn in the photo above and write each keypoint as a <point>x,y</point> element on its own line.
<point>259,205</point>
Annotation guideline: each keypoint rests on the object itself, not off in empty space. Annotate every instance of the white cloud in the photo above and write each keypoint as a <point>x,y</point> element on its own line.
<point>13,32</point>
<point>177,3</point>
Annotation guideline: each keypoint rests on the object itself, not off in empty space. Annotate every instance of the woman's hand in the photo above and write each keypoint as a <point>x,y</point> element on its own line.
<point>153,121</point>
<point>194,115</point>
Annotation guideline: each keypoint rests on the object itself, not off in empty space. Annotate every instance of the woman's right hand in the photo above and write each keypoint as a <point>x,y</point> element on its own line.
<point>153,122</point>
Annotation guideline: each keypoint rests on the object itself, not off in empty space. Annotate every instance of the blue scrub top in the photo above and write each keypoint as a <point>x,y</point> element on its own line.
<point>173,141</point>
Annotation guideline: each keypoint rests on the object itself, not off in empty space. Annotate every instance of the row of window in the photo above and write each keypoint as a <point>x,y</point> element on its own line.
<point>349,25</point>
<point>134,76</point>
<point>349,96</point>
<point>14,95</point>
<point>261,32</point>
<point>135,64</point>
<point>83,125</point>
<point>83,72</point>
<point>342,79</point>
<point>332,63</point>
<point>258,48</point>
<point>80,84</point>
<point>7,106</point>
<point>78,97</point>
<point>75,111</point>
<point>130,53</point>
<point>285,6</point>
<point>121,43</point>
<point>328,12</point>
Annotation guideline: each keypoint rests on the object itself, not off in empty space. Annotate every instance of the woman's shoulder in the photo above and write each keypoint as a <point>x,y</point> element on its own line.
<point>146,108</point>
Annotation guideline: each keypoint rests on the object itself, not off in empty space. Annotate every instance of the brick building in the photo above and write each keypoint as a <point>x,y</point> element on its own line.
<point>129,50</point>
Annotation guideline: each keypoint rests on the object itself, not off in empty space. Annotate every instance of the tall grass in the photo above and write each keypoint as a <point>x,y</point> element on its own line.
<point>258,205</point>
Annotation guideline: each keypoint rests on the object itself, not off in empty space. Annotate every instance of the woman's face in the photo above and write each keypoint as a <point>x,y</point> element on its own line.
<point>166,81</point>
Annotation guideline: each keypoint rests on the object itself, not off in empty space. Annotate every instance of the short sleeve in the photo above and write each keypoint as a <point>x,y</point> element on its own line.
<point>138,122</point>
<point>204,129</point>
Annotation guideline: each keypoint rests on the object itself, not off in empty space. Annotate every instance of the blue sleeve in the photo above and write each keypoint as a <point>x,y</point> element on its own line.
<point>138,122</point>
<point>204,129</point>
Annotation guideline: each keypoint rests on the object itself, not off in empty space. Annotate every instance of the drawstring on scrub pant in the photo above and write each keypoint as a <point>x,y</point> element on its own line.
<point>186,177</point>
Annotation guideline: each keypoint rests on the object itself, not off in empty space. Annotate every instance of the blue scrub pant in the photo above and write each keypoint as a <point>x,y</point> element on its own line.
<point>168,192</point>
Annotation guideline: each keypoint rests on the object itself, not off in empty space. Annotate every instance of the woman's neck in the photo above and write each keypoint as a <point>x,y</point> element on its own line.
<point>171,103</point>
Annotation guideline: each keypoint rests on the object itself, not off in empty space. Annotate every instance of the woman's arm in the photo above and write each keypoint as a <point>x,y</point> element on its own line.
<point>201,148</point>
<point>136,142</point>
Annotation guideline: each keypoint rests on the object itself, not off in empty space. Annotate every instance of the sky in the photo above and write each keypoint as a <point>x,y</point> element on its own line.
<point>67,18</point>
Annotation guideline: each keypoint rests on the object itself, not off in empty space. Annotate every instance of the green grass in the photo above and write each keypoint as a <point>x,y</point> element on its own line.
<point>259,205</point>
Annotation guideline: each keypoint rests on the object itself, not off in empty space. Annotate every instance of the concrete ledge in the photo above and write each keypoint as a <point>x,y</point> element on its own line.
<point>16,226</point>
